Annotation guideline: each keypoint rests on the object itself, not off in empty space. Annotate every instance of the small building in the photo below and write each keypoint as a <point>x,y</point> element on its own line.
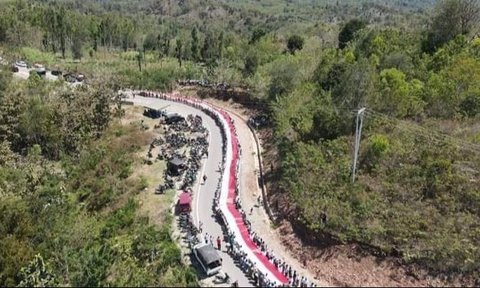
<point>176,166</point>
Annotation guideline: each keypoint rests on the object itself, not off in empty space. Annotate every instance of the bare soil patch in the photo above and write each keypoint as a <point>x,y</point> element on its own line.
<point>156,207</point>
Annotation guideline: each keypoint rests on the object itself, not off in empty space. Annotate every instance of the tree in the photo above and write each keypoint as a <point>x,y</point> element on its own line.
<point>378,145</point>
<point>179,51</point>
<point>62,29</point>
<point>470,106</point>
<point>194,47</point>
<point>348,32</point>
<point>3,27</point>
<point>397,96</point>
<point>256,35</point>
<point>139,57</point>
<point>94,32</point>
<point>128,32</point>
<point>355,85</point>
<point>251,64</point>
<point>294,43</point>
<point>77,52</point>
<point>151,42</point>
<point>207,51</point>
<point>451,18</point>
<point>469,15</point>
<point>283,79</point>
<point>221,45</point>
<point>5,78</point>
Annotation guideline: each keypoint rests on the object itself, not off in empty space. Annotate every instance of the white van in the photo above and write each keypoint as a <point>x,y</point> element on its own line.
<point>208,257</point>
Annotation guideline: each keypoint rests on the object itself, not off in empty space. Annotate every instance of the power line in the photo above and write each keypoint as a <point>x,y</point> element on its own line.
<point>422,130</point>
<point>432,135</point>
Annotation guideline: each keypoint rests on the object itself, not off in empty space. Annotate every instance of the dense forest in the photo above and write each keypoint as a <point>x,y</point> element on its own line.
<point>414,66</point>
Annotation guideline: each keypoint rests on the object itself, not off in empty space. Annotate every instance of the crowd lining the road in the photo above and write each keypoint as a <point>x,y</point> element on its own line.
<point>233,247</point>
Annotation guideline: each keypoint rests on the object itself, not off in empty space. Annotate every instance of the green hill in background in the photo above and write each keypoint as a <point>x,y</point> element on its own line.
<point>414,66</point>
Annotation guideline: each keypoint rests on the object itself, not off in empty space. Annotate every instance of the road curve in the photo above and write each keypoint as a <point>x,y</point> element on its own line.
<point>203,193</point>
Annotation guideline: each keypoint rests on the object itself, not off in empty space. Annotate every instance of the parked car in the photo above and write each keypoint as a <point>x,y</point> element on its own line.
<point>21,63</point>
<point>69,77</point>
<point>173,118</point>
<point>40,69</point>
<point>153,113</point>
<point>56,72</point>
<point>259,121</point>
<point>208,257</point>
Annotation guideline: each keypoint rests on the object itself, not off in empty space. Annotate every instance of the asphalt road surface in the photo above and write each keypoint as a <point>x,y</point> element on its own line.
<point>204,192</point>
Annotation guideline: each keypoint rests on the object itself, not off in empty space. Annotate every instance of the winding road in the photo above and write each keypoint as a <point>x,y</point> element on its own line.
<point>203,192</point>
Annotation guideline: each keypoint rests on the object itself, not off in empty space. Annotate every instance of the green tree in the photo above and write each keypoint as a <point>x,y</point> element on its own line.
<point>257,34</point>
<point>397,96</point>
<point>77,52</point>
<point>139,57</point>
<point>3,26</point>
<point>207,52</point>
<point>62,29</point>
<point>179,51</point>
<point>151,41</point>
<point>355,85</point>
<point>127,28</point>
<point>221,45</point>
<point>251,64</point>
<point>5,78</point>
<point>294,43</point>
<point>470,106</point>
<point>194,47</point>
<point>348,32</point>
<point>452,17</point>
<point>378,146</point>
<point>93,32</point>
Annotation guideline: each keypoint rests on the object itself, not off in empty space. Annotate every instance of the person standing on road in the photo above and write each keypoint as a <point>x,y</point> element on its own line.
<point>219,243</point>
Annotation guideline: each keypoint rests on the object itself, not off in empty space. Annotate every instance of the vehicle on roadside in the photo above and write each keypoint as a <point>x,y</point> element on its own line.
<point>153,113</point>
<point>20,63</point>
<point>208,258</point>
<point>70,77</point>
<point>40,69</point>
<point>173,118</point>
<point>259,121</point>
<point>56,72</point>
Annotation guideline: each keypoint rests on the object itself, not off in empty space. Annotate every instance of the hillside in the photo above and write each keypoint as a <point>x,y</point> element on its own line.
<point>307,65</point>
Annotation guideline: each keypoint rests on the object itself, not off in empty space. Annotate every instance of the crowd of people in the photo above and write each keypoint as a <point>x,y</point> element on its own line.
<point>248,266</point>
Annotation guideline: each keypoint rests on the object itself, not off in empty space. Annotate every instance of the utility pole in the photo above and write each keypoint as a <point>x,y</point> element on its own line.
<point>358,135</point>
